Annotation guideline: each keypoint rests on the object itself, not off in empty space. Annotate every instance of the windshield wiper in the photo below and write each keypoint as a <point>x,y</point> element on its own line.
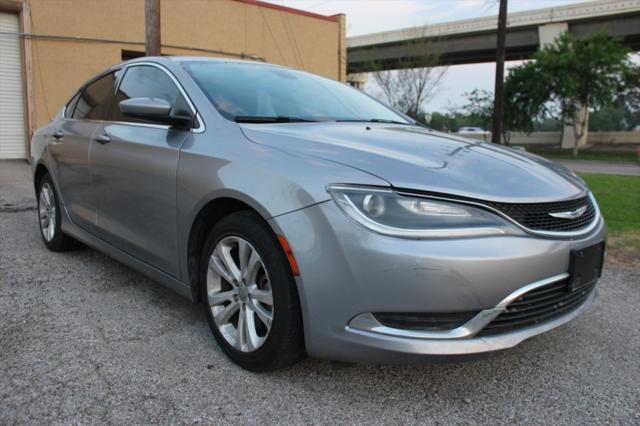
<point>373,120</point>
<point>266,119</point>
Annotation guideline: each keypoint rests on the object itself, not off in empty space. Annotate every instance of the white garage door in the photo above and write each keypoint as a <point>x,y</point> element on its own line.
<point>12,138</point>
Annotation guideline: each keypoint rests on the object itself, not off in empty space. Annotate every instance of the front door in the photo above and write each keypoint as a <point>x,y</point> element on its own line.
<point>133,169</point>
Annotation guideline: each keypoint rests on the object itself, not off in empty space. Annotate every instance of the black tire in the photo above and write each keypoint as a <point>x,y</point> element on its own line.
<point>60,241</point>
<point>284,343</point>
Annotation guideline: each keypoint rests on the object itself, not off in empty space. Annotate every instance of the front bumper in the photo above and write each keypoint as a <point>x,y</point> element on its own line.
<point>389,349</point>
<point>348,271</point>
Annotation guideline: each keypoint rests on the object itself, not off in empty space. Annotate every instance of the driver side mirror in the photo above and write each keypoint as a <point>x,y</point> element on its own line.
<point>154,109</point>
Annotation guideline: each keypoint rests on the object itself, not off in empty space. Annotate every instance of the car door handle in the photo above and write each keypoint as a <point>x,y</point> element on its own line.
<point>103,138</point>
<point>58,134</point>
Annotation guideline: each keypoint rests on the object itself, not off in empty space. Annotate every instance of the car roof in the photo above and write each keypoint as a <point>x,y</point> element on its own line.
<point>182,59</point>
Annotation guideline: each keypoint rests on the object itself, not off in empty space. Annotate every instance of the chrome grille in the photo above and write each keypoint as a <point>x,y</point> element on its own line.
<point>538,305</point>
<point>435,321</point>
<point>536,216</point>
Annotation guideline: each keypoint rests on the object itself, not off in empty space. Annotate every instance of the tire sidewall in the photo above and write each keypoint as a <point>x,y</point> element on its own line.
<point>251,228</point>
<point>56,242</point>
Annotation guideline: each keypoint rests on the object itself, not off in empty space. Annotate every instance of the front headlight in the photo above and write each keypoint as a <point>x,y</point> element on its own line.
<point>386,212</point>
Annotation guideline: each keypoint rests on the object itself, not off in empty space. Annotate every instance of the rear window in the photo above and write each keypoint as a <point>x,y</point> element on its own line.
<point>95,101</point>
<point>71,105</point>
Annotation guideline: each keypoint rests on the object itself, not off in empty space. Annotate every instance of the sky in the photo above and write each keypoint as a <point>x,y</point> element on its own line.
<point>371,16</point>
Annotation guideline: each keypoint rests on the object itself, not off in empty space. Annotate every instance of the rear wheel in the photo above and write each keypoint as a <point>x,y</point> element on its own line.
<point>250,295</point>
<point>50,218</point>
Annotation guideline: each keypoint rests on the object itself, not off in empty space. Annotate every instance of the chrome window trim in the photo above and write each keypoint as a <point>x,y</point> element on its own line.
<point>200,129</point>
<point>150,125</point>
<point>580,232</point>
<point>368,323</point>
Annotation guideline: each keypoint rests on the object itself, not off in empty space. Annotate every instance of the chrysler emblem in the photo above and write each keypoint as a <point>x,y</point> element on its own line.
<point>573,214</point>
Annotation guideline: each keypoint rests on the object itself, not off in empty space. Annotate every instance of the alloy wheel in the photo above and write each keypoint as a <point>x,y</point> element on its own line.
<point>239,294</point>
<point>47,211</point>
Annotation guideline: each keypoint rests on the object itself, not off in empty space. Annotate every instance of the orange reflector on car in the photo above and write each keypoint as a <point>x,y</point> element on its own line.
<point>287,250</point>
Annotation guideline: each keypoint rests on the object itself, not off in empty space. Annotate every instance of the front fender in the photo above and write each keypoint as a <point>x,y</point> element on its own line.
<point>270,181</point>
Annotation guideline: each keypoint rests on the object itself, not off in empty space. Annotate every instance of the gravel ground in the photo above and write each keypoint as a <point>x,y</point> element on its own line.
<point>84,339</point>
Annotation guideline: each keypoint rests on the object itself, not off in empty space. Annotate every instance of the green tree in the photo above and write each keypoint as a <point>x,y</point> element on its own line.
<point>526,98</point>
<point>568,78</point>
<point>548,125</point>
<point>439,122</point>
<point>479,108</point>
<point>610,118</point>
<point>524,103</point>
<point>629,98</point>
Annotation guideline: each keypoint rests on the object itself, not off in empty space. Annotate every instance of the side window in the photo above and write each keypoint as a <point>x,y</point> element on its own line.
<point>71,105</point>
<point>95,101</point>
<point>146,82</point>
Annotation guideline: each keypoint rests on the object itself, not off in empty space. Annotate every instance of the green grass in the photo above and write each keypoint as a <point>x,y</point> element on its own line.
<point>619,201</point>
<point>566,154</point>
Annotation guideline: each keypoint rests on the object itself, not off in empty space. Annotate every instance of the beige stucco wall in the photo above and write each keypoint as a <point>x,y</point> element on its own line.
<point>280,37</point>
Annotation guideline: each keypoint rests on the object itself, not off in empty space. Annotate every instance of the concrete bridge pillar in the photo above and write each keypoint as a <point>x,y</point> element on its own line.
<point>547,34</point>
<point>358,80</point>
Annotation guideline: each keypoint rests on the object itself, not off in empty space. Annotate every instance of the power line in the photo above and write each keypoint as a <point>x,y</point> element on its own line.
<point>35,36</point>
<point>490,4</point>
<point>284,62</point>
<point>286,31</point>
<point>295,41</point>
<point>44,92</point>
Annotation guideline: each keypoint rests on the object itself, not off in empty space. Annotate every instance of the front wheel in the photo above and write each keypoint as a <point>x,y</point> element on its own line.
<point>50,218</point>
<point>250,295</point>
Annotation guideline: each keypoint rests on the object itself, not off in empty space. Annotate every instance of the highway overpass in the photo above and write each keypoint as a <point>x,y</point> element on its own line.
<point>474,40</point>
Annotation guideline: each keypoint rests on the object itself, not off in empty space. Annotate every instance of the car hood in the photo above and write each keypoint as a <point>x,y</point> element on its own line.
<point>414,158</point>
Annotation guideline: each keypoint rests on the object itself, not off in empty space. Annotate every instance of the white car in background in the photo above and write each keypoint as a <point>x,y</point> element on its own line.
<point>473,133</point>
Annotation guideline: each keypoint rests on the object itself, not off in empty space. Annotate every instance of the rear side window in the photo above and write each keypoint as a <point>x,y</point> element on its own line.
<point>71,105</point>
<point>146,82</point>
<point>95,101</point>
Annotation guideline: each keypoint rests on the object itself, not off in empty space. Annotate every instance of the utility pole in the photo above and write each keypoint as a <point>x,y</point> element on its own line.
<point>152,27</point>
<point>498,102</point>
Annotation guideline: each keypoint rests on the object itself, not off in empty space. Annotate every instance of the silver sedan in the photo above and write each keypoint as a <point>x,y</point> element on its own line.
<point>308,218</point>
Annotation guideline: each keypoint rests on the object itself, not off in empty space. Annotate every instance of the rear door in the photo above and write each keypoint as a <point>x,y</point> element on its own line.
<point>69,148</point>
<point>133,167</point>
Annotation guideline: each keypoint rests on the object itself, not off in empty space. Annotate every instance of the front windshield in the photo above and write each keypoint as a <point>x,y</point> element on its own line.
<point>243,91</point>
